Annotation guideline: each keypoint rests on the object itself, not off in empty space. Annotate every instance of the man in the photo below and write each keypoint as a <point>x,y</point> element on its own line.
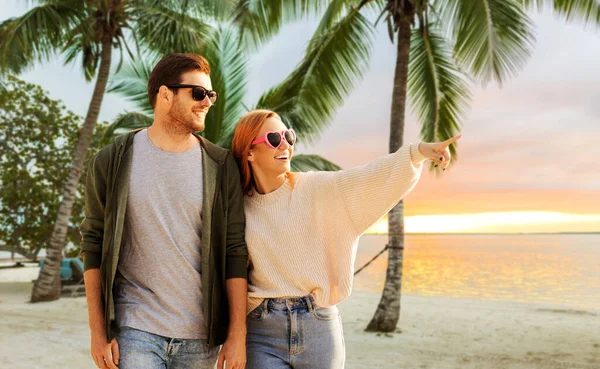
<point>163,236</point>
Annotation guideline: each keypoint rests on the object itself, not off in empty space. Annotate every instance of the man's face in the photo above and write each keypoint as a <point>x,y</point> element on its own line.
<point>186,113</point>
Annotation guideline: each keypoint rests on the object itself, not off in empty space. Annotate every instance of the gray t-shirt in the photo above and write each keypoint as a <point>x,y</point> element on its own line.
<point>158,287</point>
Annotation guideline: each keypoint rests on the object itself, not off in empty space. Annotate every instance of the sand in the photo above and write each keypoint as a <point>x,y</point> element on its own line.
<point>434,332</point>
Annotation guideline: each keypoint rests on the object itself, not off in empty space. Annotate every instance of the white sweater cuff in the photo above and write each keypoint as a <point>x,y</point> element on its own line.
<point>415,155</point>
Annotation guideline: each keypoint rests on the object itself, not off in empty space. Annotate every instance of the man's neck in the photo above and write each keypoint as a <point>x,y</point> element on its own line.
<point>170,140</point>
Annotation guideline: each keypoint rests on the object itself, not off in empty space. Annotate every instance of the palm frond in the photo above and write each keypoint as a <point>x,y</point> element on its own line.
<point>81,42</point>
<point>126,122</point>
<point>437,89</point>
<point>36,35</point>
<point>228,73</point>
<point>131,82</point>
<point>493,38</point>
<point>123,44</point>
<point>334,62</point>
<point>306,163</point>
<point>259,20</point>
<point>165,30</point>
<point>334,12</point>
<point>585,11</point>
<point>219,11</point>
<point>534,4</point>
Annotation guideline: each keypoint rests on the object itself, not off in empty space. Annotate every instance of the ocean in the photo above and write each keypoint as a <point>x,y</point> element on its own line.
<point>561,269</point>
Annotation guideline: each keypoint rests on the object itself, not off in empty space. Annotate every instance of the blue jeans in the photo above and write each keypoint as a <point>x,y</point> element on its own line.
<point>139,349</point>
<point>295,333</point>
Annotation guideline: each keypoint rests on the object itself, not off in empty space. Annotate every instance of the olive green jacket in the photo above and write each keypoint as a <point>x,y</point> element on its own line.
<point>224,252</point>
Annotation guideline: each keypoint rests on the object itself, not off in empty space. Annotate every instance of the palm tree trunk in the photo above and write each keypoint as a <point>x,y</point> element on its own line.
<point>47,287</point>
<point>388,311</point>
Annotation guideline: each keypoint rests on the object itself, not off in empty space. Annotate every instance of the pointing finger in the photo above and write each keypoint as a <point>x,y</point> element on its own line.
<point>452,140</point>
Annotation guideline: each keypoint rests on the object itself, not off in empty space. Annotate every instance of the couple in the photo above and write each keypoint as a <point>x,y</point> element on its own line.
<point>188,247</point>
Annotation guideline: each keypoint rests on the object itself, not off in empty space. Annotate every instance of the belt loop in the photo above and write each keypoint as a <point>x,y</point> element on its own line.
<point>311,303</point>
<point>265,305</point>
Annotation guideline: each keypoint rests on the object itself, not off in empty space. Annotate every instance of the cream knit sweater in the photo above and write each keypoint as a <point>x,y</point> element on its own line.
<point>303,240</point>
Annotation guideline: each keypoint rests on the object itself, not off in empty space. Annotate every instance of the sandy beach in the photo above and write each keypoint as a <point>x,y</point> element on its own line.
<point>433,333</point>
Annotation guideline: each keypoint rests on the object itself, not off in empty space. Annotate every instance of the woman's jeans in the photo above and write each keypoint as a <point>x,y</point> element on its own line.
<point>295,333</point>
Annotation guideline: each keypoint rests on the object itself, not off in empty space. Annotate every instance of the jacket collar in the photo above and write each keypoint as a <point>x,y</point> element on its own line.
<point>216,153</point>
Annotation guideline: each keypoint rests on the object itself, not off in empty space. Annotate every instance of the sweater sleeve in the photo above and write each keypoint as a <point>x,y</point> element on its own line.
<point>372,190</point>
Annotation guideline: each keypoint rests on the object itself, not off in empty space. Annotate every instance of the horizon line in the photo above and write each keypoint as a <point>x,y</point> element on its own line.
<point>483,233</point>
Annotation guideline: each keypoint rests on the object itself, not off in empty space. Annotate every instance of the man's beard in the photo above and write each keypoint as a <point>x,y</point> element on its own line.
<point>182,122</point>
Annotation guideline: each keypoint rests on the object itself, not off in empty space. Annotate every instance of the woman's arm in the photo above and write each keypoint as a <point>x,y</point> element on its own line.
<point>371,190</point>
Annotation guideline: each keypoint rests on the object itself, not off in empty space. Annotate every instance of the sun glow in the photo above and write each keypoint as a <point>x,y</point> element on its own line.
<point>499,222</point>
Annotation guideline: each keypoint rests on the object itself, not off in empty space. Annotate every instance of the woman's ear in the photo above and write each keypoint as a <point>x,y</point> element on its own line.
<point>250,157</point>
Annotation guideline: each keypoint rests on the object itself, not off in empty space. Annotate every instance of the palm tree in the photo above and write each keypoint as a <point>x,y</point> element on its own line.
<point>324,68</point>
<point>441,45</point>
<point>88,32</point>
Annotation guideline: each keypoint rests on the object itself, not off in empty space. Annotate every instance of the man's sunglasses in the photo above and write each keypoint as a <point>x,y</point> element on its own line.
<point>274,139</point>
<point>199,92</point>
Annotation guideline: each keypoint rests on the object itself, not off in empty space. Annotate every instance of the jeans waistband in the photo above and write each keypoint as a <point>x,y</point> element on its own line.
<point>291,303</point>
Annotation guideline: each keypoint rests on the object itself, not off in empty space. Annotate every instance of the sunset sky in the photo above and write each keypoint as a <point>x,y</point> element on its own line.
<point>529,159</point>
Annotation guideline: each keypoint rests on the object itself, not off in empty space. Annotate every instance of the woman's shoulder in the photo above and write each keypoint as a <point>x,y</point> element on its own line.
<point>317,178</point>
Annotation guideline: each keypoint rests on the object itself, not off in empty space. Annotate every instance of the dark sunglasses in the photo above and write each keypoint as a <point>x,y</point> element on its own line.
<point>199,92</point>
<point>274,139</point>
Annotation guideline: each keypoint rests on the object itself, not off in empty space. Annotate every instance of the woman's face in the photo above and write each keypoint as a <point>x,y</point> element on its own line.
<point>263,158</point>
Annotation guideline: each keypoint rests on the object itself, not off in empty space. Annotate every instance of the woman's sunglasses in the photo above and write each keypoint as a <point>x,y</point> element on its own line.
<point>199,92</point>
<point>274,139</point>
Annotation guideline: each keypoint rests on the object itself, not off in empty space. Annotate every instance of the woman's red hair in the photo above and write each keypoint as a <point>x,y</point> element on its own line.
<point>245,132</point>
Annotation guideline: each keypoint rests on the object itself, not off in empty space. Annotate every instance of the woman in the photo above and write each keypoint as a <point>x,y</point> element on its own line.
<point>302,231</point>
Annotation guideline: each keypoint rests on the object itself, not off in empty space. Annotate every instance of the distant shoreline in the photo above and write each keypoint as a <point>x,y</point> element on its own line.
<point>490,234</point>
<point>19,258</point>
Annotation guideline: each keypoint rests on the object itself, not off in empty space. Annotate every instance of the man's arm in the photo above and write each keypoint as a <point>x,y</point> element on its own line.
<point>234,349</point>
<point>237,295</point>
<point>105,355</point>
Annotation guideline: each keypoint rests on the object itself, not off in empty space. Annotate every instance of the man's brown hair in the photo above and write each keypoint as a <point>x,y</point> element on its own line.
<point>169,69</point>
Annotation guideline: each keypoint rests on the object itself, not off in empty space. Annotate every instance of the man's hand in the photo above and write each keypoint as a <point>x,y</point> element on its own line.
<point>106,355</point>
<point>233,353</point>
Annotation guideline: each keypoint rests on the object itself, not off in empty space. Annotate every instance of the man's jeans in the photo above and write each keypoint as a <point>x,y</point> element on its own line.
<point>295,333</point>
<point>139,349</point>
